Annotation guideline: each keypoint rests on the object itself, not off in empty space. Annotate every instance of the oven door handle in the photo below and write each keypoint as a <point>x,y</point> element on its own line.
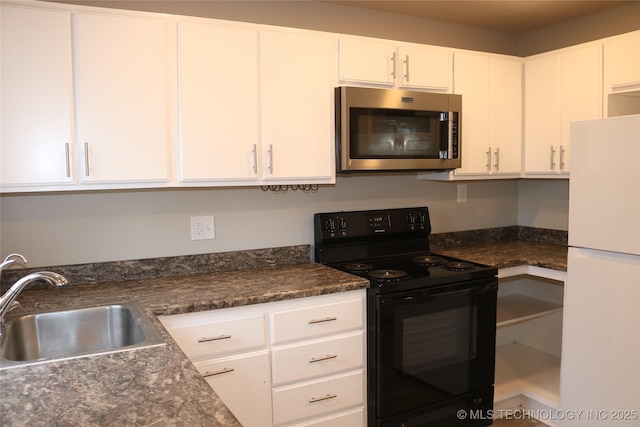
<point>426,294</point>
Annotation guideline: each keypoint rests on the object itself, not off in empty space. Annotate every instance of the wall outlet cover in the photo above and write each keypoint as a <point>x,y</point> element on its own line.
<point>202,228</point>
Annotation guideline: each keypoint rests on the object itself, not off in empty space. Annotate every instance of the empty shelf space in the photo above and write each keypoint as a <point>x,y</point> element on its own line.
<point>516,308</point>
<point>522,370</point>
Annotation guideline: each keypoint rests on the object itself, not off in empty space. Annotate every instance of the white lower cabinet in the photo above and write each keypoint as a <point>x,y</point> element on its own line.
<point>243,384</point>
<point>299,362</point>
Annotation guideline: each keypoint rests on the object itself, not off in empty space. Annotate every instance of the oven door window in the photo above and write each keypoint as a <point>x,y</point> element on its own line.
<point>377,133</point>
<point>434,345</point>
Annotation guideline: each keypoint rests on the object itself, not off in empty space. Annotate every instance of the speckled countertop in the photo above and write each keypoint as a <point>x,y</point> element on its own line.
<point>511,254</point>
<point>159,385</point>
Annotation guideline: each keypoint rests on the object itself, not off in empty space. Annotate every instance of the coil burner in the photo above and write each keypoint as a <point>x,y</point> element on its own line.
<point>358,267</point>
<point>429,260</point>
<point>458,266</point>
<point>387,274</point>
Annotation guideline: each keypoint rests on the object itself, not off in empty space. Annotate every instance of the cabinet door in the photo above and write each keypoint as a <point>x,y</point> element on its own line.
<point>297,107</point>
<point>425,68</point>
<point>542,113</point>
<point>472,81</point>
<point>243,384</point>
<point>506,115</point>
<point>36,97</point>
<point>367,61</point>
<point>218,102</point>
<point>580,92</point>
<point>622,63</point>
<point>122,111</point>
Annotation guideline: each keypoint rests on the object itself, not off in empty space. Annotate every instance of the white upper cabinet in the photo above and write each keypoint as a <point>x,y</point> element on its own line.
<point>472,81</point>
<point>622,63</point>
<point>491,129</point>
<point>560,87</point>
<point>622,74</point>
<point>506,115</point>
<point>218,103</point>
<point>425,67</point>
<point>297,106</point>
<point>374,62</point>
<point>36,105</point>
<point>122,98</point>
<point>367,61</point>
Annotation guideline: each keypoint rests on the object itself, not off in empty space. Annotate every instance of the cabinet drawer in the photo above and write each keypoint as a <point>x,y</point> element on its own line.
<point>316,321</point>
<point>348,419</point>
<point>316,398</point>
<point>218,337</point>
<point>242,382</point>
<point>317,358</point>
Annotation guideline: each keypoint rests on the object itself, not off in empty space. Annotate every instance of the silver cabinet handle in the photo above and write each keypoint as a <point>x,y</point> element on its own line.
<point>67,160</point>
<point>320,359</point>
<point>86,159</point>
<point>488,165</point>
<point>406,68</point>
<point>221,371</point>
<point>552,164</point>
<point>561,158</point>
<point>270,151</point>
<point>219,337</point>
<point>320,399</point>
<point>497,153</point>
<point>393,64</point>
<point>326,319</point>
<point>255,159</point>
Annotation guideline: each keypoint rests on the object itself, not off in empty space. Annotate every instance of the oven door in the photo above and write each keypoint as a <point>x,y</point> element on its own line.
<point>431,346</point>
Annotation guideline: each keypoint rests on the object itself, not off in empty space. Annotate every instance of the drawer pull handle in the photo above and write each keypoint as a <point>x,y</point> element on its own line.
<point>221,371</point>
<point>221,337</point>
<point>320,399</point>
<point>326,319</point>
<point>320,359</point>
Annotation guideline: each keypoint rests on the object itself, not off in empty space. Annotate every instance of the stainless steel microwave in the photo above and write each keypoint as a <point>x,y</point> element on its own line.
<point>393,130</point>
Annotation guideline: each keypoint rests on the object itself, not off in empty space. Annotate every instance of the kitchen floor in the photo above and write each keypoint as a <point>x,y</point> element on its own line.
<point>517,423</point>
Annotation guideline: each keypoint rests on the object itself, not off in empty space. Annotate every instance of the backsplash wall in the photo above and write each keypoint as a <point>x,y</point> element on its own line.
<point>75,228</point>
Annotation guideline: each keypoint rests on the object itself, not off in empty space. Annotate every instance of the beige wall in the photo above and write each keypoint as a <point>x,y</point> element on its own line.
<point>58,229</point>
<point>349,20</point>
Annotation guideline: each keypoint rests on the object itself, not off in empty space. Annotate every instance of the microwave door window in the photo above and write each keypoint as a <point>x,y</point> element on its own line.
<point>399,134</point>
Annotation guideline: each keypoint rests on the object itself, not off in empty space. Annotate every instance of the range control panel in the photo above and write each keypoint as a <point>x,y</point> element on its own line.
<point>388,222</point>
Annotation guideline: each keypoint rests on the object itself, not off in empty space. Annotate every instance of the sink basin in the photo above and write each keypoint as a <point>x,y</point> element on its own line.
<point>45,336</point>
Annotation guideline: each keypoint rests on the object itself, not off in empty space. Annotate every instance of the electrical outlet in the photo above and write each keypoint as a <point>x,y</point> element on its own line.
<point>202,228</point>
<point>462,193</point>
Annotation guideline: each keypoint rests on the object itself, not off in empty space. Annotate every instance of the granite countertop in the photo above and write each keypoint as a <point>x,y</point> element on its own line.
<point>511,253</point>
<point>149,386</point>
<point>159,385</point>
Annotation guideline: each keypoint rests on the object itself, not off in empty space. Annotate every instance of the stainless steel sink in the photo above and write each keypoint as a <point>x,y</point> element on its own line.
<point>46,336</point>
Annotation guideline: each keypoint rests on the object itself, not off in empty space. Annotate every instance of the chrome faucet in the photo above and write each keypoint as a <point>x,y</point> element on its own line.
<point>8,300</point>
<point>10,259</point>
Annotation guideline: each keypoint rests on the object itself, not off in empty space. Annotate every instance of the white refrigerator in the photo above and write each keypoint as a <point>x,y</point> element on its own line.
<point>600,365</point>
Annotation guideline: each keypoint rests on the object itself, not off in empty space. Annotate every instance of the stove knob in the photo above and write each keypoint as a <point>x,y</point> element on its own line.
<point>422,218</point>
<point>331,225</point>
<point>411,219</point>
<point>342,224</point>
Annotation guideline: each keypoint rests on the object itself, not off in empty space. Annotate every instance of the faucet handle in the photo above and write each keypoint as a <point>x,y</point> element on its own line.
<point>11,258</point>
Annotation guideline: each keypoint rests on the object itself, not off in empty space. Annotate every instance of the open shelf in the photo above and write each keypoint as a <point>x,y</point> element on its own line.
<point>515,308</point>
<point>522,370</point>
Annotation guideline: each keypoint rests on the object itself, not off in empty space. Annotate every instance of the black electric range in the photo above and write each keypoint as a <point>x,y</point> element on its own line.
<point>431,319</point>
